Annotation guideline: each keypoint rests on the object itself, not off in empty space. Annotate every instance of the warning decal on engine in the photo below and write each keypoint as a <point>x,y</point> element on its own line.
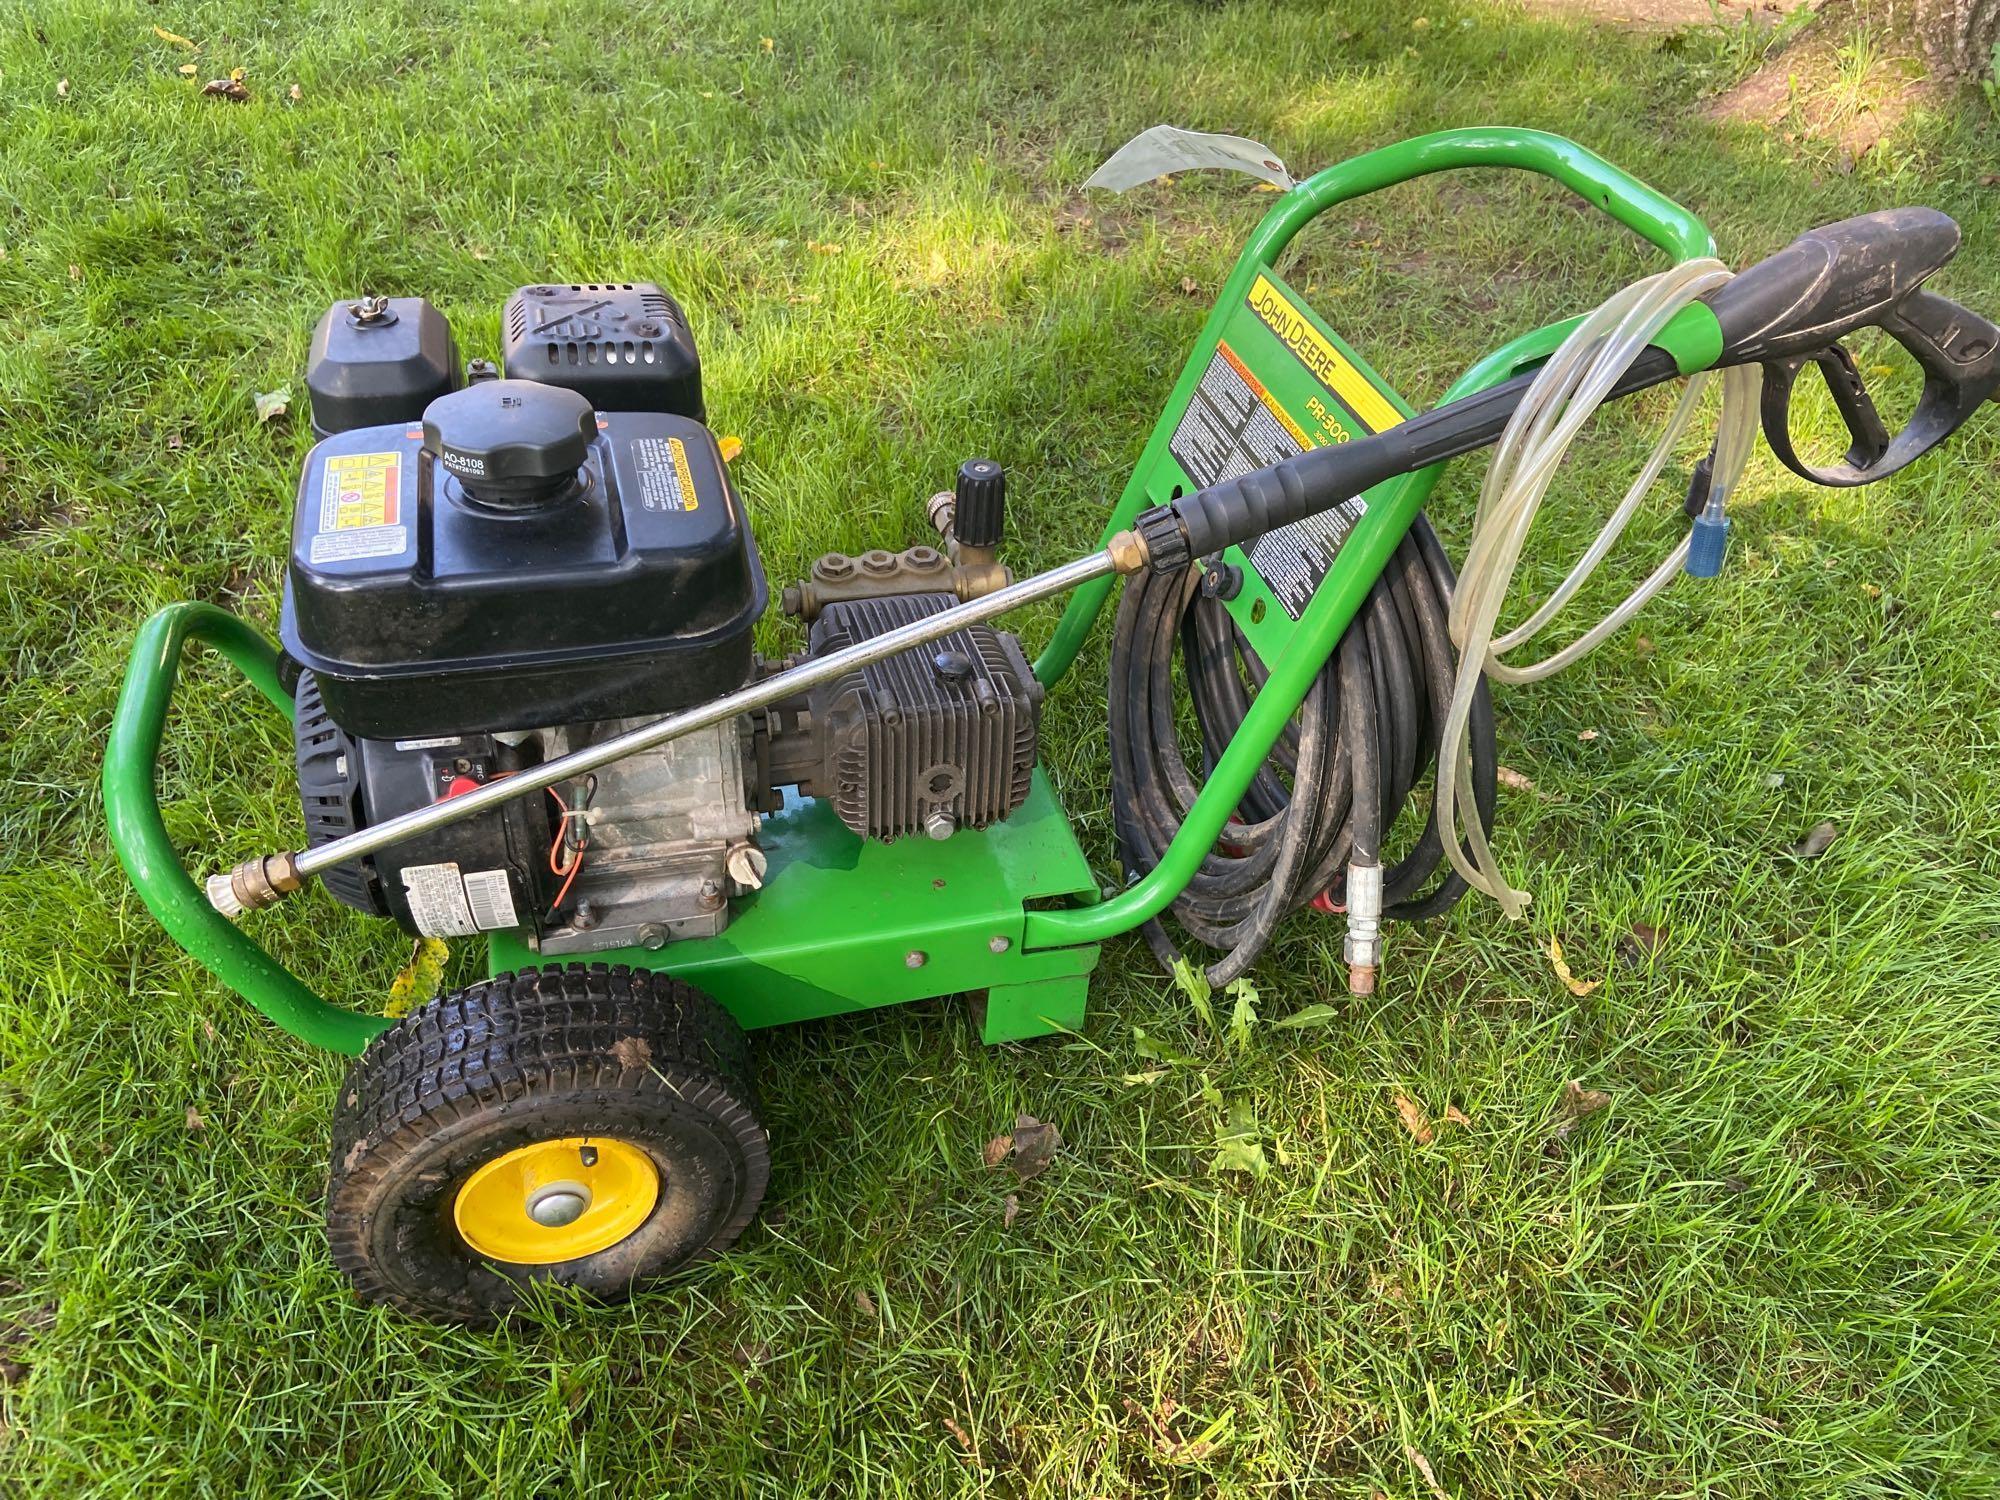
<point>665,481</point>
<point>360,508</point>
<point>1278,384</point>
<point>444,904</point>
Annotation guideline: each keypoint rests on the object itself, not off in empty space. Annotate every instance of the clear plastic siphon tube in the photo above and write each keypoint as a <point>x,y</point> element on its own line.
<point>1566,393</point>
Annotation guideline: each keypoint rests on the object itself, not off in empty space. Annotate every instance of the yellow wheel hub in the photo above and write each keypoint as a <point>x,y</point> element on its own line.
<point>556,1200</point>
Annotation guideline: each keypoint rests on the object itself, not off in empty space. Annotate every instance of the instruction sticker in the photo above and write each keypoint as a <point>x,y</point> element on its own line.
<point>1236,423</point>
<point>360,508</point>
<point>665,480</point>
<point>444,903</point>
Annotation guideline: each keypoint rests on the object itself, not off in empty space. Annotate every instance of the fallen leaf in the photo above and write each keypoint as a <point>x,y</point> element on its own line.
<point>173,37</point>
<point>273,403</point>
<point>828,248</point>
<point>295,93</point>
<point>1586,735</point>
<point>1991,179</point>
<point>768,44</point>
<point>175,442</point>
<point>1456,1115</point>
<point>1513,780</point>
<point>958,1432</point>
<point>1311,1015</point>
<point>235,75</point>
<point>231,89</point>
<point>1035,1144</point>
<point>1817,842</point>
<point>1414,1119</point>
<point>62,88</point>
<point>193,1120</point>
<point>750,1356</point>
<point>1146,1079</point>
<point>1578,1102</point>
<point>865,1304</point>
<point>75,271</point>
<point>1872,590</point>
<point>187,70</point>
<point>1641,941</point>
<point>1430,1475</point>
<point>1239,1148</point>
<point>1260,186</point>
<point>732,449</point>
<point>1575,986</point>
<point>997,1149</point>
<point>1010,1211</point>
<point>1190,287</point>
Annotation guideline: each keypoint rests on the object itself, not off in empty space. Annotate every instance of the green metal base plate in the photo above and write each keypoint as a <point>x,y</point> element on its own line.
<point>845,924</point>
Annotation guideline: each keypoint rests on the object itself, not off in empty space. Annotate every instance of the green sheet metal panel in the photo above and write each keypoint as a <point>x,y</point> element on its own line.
<point>844,923</point>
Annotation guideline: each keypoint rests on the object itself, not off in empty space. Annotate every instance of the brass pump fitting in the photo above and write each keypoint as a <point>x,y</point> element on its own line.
<point>254,884</point>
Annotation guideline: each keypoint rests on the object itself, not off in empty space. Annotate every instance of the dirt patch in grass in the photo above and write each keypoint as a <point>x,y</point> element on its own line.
<point>1846,82</point>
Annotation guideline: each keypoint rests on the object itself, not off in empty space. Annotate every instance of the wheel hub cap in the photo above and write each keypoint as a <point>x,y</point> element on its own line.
<point>556,1200</point>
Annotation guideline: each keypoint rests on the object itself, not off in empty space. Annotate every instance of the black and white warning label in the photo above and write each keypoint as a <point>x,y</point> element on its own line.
<point>665,482</point>
<point>1293,559</point>
<point>444,903</point>
<point>1232,425</point>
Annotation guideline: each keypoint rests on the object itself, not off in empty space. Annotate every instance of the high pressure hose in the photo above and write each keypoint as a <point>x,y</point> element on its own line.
<point>1405,688</point>
<point>1338,778</point>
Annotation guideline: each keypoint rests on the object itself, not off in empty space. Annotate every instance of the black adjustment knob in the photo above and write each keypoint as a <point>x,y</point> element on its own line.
<point>980,503</point>
<point>512,444</point>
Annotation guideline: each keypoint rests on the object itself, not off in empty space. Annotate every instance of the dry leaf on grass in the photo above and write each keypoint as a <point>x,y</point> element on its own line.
<point>1513,780</point>
<point>194,1121</point>
<point>1579,1102</point>
<point>1035,1144</point>
<point>1028,1148</point>
<point>1414,1119</point>
<point>732,449</point>
<point>1456,1115</point>
<point>1430,1475</point>
<point>1641,941</point>
<point>1190,287</point>
<point>187,70</point>
<point>62,88</point>
<point>1010,1211</point>
<point>231,88</point>
<point>1817,842</point>
<point>1577,987</point>
<point>173,37</point>
<point>1586,735</point>
<point>295,93</point>
<point>865,1305</point>
<point>959,1433</point>
<point>273,403</point>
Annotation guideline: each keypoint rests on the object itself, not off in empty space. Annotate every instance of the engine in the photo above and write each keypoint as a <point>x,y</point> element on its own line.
<point>493,565</point>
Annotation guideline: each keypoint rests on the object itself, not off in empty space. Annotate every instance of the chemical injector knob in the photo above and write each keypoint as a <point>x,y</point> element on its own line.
<point>980,499</point>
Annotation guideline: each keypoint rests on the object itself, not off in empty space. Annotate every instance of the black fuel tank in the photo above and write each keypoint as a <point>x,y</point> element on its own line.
<point>426,600</point>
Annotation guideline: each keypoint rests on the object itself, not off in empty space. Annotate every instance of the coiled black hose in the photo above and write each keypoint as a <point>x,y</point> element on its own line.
<point>1337,778</point>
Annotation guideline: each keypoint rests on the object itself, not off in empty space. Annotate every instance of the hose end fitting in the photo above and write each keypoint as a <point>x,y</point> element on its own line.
<point>1708,543</point>
<point>254,884</point>
<point>1363,946</point>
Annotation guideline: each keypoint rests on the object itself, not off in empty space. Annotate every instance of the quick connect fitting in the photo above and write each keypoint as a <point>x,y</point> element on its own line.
<point>1363,946</point>
<point>1708,541</point>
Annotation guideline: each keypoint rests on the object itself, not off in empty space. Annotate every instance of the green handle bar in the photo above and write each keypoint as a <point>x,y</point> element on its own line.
<point>1694,340</point>
<point>139,834</point>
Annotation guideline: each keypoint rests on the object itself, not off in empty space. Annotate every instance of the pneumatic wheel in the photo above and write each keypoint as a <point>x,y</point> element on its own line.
<point>593,1127</point>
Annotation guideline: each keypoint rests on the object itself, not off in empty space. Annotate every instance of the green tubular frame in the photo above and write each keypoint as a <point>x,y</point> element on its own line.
<point>139,833</point>
<point>1693,339</point>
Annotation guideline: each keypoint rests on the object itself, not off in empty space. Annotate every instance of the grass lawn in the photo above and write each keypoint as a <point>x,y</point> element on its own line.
<point>1768,1267</point>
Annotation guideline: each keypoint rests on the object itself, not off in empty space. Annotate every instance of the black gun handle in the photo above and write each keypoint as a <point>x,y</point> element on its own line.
<point>1959,353</point>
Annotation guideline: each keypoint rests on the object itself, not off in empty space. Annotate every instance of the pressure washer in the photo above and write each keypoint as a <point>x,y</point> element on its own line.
<point>517,656</point>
